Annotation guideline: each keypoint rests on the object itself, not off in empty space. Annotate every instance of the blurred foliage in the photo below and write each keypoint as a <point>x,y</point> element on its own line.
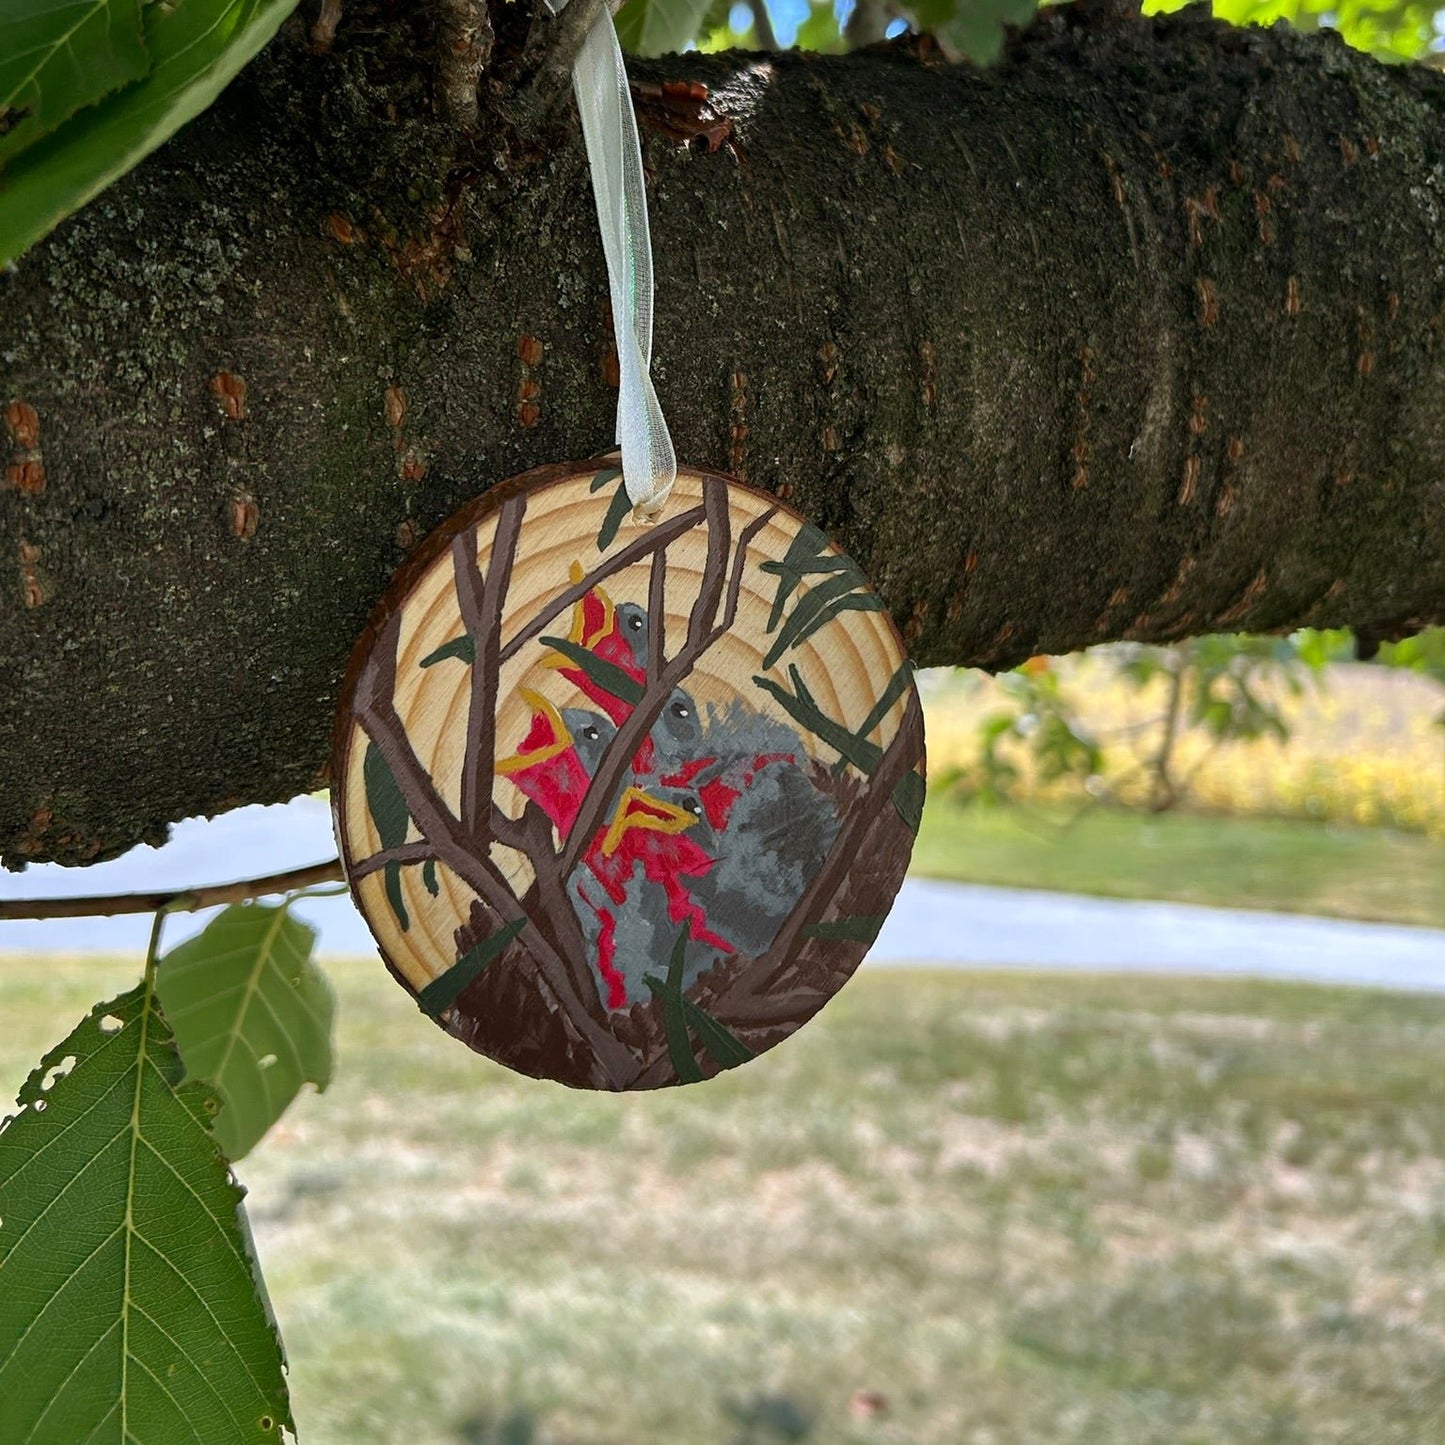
<point>1182,708</point>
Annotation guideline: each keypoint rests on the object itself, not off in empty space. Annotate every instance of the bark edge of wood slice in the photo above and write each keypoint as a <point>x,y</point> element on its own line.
<point>624,805</point>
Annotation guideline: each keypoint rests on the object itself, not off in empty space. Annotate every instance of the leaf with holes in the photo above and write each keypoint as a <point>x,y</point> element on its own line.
<point>195,48</point>
<point>58,56</point>
<point>131,1311</point>
<point>252,1015</point>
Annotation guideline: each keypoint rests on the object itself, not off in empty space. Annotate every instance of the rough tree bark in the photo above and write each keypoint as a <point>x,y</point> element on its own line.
<point>1137,334</point>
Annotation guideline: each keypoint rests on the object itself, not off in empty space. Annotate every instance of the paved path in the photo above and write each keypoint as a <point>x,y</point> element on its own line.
<point>935,923</point>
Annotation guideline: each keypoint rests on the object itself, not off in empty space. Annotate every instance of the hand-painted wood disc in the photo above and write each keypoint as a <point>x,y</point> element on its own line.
<point>623,805</point>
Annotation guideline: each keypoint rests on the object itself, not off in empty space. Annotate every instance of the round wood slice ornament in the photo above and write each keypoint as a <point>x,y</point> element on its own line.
<point>623,804</point>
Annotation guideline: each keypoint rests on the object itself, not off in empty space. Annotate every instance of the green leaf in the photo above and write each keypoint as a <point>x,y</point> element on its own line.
<point>131,1312</point>
<point>819,606</point>
<point>897,686</point>
<point>908,797</point>
<point>607,474</point>
<point>674,1015</point>
<point>442,992</point>
<point>195,48</point>
<point>252,1015</point>
<point>617,512</point>
<point>429,877</point>
<point>718,1040</point>
<point>659,27</point>
<point>463,647</point>
<point>58,56</point>
<point>858,750</point>
<point>861,929</point>
<point>607,675</point>
<point>391,882</point>
<point>384,799</point>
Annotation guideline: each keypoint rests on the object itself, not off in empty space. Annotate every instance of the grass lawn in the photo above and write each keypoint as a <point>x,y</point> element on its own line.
<point>956,1210</point>
<point>1235,862</point>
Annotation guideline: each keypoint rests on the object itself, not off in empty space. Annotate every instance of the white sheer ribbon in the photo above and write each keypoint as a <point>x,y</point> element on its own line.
<point>609,128</point>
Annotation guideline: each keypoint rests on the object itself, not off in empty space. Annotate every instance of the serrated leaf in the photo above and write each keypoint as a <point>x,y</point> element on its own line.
<point>659,27</point>
<point>243,991</point>
<point>463,648</point>
<point>195,49</point>
<point>607,675</point>
<point>58,56</point>
<point>442,992</point>
<point>131,1312</point>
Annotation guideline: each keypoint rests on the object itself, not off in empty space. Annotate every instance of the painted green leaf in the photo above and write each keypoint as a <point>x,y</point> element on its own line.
<point>383,798</point>
<point>606,675</point>
<point>819,606</point>
<point>429,877</point>
<point>617,512</point>
<point>897,686</point>
<point>858,750</point>
<point>58,56</point>
<point>607,474</point>
<point>716,1038</point>
<point>131,1311</point>
<point>389,812</point>
<point>861,929</point>
<point>908,799</point>
<point>442,992</point>
<point>674,1014</point>
<point>660,27</point>
<point>252,1015</point>
<point>195,48</point>
<point>808,553</point>
<point>463,647</point>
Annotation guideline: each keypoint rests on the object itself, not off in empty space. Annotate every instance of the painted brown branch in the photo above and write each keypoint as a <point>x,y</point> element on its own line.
<point>735,582</point>
<point>377,716</point>
<point>659,536</point>
<point>188,900</point>
<point>714,574</point>
<point>617,758</point>
<point>481,606</point>
<point>657,613</point>
<point>901,756</point>
<point>417,852</point>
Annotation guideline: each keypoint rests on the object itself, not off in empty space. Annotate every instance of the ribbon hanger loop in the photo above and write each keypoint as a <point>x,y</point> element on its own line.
<point>614,155</point>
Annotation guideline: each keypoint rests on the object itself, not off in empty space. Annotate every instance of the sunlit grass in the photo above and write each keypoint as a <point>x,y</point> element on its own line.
<point>1015,1208</point>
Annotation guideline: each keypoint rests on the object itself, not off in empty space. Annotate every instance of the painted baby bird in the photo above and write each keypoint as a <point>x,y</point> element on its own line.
<point>716,826</point>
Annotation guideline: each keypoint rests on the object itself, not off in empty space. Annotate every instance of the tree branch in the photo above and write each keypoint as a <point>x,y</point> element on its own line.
<point>187,900</point>
<point>1194,380</point>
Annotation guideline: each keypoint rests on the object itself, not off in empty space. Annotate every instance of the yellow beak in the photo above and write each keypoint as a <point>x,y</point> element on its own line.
<point>637,808</point>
